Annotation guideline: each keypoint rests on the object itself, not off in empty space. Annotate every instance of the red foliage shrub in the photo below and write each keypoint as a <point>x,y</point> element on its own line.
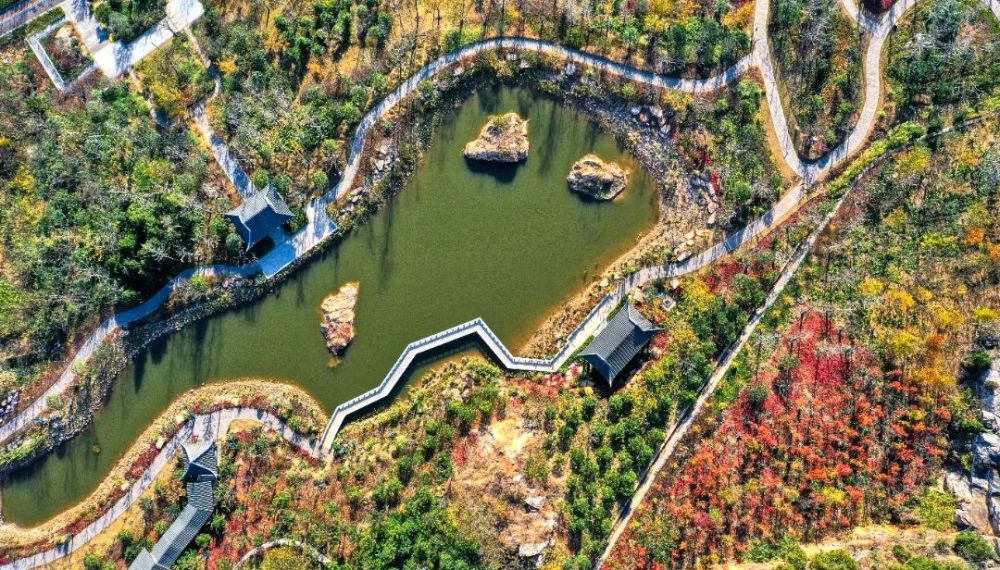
<point>144,460</point>
<point>548,387</point>
<point>722,273</point>
<point>823,446</point>
<point>460,453</point>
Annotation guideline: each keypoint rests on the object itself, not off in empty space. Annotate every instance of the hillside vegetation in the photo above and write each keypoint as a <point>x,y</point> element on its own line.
<point>817,49</point>
<point>846,418</point>
<point>94,212</point>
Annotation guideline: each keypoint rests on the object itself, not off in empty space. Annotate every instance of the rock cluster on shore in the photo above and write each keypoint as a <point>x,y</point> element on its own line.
<point>338,317</point>
<point>504,138</point>
<point>598,179</point>
<point>978,490</point>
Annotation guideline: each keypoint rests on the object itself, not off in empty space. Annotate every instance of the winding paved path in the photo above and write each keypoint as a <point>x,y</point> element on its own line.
<point>23,13</point>
<point>320,227</point>
<point>309,550</point>
<point>96,338</point>
<point>668,447</point>
<point>879,30</point>
<point>203,427</point>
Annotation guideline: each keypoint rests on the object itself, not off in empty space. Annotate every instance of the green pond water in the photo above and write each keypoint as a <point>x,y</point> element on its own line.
<point>460,241</point>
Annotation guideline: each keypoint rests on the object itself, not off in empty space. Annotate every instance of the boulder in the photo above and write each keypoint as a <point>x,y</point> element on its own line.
<point>993,508</point>
<point>598,179</point>
<point>338,317</point>
<point>971,513</point>
<point>991,402</point>
<point>985,452</point>
<point>532,549</point>
<point>979,484</point>
<point>535,503</point>
<point>504,138</point>
<point>958,484</point>
<point>964,520</point>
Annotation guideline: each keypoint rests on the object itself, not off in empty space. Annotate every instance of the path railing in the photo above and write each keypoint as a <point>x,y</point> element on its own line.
<point>595,319</point>
<point>203,427</point>
<point>320,227</point>
<point>35,43</point>
<point>104,330</point>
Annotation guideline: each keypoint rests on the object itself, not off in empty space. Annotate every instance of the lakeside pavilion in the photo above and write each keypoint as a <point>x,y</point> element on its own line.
<point>260,213</point>
<point>200,473</point>
<point>614,347</point>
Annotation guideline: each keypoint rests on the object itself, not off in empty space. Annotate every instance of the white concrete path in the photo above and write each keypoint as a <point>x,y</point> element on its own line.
<point>309,550</point>
<point>880,30</point>
<point>320,226</point>
<point>220,150</point>
<point>204,427</point>
<point>115,58</point>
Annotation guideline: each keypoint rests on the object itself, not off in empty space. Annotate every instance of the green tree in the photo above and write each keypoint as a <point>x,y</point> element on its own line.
<point>285,558</point>
<point>833,560</point>
<point>974,548</point>
<point>419,535</point>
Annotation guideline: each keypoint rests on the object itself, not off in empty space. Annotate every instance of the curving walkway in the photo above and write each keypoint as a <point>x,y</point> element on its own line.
<point>312,552</point>
<point>477,328</point>
<point>204,427</point>
<point>321,227</point>
<point>666,450</point>
<point>109,326</point>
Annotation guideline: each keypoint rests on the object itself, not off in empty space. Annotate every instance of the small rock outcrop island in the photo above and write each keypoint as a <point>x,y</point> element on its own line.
<point>338,317</point>
<point>504,138</point>
<point>598,179</point>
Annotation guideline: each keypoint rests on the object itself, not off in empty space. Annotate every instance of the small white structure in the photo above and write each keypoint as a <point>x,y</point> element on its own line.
<point>115,58</point>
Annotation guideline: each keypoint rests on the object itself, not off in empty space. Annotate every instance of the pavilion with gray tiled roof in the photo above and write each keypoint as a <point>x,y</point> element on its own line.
<point>625,335</point>
<point>200,475</point>
<point>259,214</point>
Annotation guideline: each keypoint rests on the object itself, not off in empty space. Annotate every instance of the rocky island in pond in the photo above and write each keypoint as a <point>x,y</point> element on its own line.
<point>598,179</point>
<point>338,317</point>
<point>504,138</point>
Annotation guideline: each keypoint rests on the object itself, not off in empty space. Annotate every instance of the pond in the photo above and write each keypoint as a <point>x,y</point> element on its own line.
<point>509,244</point>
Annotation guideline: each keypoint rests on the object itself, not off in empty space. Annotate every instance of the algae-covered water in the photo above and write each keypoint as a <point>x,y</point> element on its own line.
<point>460,241</point>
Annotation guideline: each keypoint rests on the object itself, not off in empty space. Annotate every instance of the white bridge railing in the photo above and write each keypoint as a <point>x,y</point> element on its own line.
<point>597,317</point>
